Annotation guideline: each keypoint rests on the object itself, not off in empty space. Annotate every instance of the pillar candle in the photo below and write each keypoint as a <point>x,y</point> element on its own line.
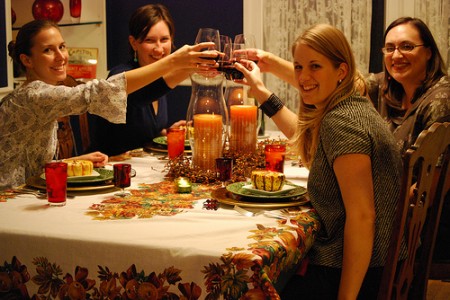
<point>243,123</point>
<point>208,140</point>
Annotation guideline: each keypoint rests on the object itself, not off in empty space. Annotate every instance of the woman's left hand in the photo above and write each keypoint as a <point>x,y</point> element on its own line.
<point>99,159</point>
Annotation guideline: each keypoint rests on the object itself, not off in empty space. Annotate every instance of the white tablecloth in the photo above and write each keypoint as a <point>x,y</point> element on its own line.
<point>69,237</point>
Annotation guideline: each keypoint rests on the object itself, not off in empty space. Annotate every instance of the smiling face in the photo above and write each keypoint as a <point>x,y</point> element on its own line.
<point>317,77</point>
<point>408,68</point>
<point>156,45</point>
<point>49,57</point>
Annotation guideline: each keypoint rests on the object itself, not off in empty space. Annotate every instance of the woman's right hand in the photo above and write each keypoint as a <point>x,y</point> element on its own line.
<point>192,57</point>
<point>252,78</point>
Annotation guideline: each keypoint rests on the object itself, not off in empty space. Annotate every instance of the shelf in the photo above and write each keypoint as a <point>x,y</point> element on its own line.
<point>70,24</point>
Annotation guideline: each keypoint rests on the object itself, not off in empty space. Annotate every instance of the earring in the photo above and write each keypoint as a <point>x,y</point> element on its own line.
<point>135,57</point>
<point>339,81</point>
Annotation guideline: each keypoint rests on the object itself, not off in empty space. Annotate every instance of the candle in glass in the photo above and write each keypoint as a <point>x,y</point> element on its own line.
<point>243,124</point>
<point>208,142</point>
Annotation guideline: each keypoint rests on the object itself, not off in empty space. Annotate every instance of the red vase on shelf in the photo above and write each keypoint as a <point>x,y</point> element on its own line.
<point>75,10</point>
<point>48,10</point>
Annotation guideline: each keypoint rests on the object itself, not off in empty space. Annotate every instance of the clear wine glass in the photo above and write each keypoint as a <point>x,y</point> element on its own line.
<point>208,35</point>
<point>247,39</point>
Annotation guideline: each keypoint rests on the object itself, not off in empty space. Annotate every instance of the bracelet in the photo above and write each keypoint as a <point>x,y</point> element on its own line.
<point>271,106</point>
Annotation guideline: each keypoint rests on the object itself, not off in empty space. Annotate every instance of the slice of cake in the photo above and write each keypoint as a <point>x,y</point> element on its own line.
<point>79,167</point>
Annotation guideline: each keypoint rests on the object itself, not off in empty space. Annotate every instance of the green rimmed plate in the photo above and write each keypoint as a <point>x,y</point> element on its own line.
<point>291,191</point>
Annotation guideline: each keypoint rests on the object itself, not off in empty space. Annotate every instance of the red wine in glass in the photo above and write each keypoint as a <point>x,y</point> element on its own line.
<point>231,73</point>
<point>122,178</point>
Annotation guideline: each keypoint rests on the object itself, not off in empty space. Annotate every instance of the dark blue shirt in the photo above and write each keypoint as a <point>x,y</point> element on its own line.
<point>142,123</point>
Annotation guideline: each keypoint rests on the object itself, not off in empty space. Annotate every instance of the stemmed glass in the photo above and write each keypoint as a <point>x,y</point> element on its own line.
<point>208,35</point>
<point>248,40</point>
<point>224,167</point>
<point>122,177</point>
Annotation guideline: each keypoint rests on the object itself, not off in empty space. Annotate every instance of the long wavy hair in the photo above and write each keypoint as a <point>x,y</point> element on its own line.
<point>392,90</point>
<point>145,17</point>
<point>330,42</point>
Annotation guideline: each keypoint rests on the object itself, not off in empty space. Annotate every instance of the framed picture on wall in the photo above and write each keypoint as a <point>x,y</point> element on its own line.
<point>6,73</point>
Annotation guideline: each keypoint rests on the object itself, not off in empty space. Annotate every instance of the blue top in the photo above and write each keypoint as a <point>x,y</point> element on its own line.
<point>142,123</point>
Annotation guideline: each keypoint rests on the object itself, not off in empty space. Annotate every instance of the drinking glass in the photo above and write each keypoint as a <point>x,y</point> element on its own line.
<point>224,167</point>
<point>56,183</point>
<point>275,155</point>
<point>236,56</point>
<point>208,35</point>
<point>247,39</point>
<point>122,177</point>
<point>175,141</point>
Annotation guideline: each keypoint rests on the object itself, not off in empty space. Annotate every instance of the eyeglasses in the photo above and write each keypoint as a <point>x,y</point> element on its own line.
<point>404,47</point>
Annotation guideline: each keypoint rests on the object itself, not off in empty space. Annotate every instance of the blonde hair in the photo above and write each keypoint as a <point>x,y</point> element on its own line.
<point>330,42</point>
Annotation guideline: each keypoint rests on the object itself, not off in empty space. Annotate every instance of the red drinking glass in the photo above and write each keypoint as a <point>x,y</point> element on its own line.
<point>175,141</point>
<point>275,155</point>
<point>56,183</point>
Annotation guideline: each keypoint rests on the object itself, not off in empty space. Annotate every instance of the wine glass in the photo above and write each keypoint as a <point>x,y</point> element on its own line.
<point>122,178</point>
<point>208,35</point>
<point>247,39</point>
<point>224,167</point>
<point>237,55</point>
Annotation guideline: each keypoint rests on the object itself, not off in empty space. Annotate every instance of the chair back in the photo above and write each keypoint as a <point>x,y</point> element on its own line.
<point>418,213</point>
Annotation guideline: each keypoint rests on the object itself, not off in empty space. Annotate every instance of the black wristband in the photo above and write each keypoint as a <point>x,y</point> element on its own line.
<point>271,106</point>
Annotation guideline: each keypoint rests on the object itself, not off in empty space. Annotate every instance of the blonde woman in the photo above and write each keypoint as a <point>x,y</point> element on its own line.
<point>353,161</point>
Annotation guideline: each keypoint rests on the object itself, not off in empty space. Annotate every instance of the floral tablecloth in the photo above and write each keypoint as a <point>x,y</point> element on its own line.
<point>154,244</point>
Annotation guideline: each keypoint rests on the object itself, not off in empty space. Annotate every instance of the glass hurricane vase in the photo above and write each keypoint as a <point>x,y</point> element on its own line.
<point>207,119</point>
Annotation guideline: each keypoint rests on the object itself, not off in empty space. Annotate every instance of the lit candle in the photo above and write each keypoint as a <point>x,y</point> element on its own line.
<point>183,185</point>
<point>208,140</point>
<point>243,124</point>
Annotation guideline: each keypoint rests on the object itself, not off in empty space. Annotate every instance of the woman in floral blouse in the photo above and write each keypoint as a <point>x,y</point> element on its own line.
<point>28,114</point>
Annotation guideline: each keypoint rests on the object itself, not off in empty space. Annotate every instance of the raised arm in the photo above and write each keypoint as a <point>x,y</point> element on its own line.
<point>285,119</point>
<point>271,63</point>
<point>186,58</point>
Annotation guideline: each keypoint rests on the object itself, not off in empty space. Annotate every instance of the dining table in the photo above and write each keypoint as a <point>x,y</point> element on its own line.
<point>154,243</point>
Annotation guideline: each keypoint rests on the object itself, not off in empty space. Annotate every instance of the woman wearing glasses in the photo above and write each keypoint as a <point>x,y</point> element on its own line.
<point>414,90</point>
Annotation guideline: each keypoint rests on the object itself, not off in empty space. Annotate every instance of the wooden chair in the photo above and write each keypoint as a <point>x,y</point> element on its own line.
<point>418,214</point>
<point>67,146</point>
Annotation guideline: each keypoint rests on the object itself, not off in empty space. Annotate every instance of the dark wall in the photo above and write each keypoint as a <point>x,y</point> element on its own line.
<point>376,36</point>
<point>189,16</point>
<point>3,54</point>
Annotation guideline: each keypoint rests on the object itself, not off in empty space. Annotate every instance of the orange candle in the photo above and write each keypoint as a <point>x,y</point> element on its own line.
<point>208,140</point>
<point>243,123</point>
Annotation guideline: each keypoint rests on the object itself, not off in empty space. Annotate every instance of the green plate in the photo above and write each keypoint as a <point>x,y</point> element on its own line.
<point>103,175</point>
<point>240,189</point>
<point>162,140</point>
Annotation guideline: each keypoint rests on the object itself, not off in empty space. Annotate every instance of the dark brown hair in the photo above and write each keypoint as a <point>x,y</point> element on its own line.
<point>393,90</point>
<point>145,17</point>
<point>25,39</point>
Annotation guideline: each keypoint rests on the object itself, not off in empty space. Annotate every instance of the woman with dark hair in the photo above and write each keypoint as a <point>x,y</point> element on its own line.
<point>414,90</point>
<point>28,114</point>
<point>151,36</point>
<point>350,154</point>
